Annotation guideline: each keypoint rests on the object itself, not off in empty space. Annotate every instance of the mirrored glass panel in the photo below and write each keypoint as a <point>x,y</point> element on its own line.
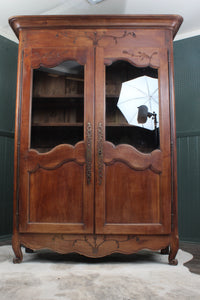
<point>132,106</point>
<point>57,106</point>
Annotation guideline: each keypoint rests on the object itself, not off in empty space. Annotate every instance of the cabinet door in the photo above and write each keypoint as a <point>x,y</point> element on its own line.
<point>56,188</point>
<point>132,141</point>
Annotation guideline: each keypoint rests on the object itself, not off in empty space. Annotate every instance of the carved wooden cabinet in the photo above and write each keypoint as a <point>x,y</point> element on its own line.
<point>95,148</point>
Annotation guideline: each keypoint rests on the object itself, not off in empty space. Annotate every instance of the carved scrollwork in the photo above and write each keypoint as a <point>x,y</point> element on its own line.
<point>52,57</point>
<point>98,36</point>
<point>142,57</point>
<point>92,245</point>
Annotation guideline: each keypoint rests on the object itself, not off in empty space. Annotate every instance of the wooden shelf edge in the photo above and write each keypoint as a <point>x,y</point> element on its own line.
<point>57,124</point>
<point>60,96</point>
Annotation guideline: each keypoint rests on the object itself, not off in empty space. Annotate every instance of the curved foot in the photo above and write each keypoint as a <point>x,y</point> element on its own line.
<point>173,262</point>
<point>173,251</point>
<point>17,249</point>
<point>17,260</point>
<point>165,251</point>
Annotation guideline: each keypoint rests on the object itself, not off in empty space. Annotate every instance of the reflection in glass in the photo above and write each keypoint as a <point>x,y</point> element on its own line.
<point>138,101</point>
<point>132,106</point>
<point>57,106</point>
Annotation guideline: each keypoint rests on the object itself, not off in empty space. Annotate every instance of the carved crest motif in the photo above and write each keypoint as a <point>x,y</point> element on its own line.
<point>142,57</point>
<point>96,37</point>
<point>53,57</point>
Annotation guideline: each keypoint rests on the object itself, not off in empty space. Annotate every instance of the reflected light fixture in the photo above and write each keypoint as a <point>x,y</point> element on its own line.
<point>94,1</point>
<point>143,113</point>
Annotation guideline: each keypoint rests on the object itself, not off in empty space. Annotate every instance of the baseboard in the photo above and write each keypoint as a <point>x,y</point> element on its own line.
<point>5,237</point>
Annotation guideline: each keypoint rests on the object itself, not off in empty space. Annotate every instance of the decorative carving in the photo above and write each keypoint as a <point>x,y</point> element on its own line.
<point>89,152</point>
<point>100,152</point>
<point>96,37</point>
<point>48,59</point>
<point>93,245</point>
<point>142,57</point>
<point>53,57</point>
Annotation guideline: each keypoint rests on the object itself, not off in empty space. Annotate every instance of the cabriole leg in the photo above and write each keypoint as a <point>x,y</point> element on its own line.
<point>174,246</point>
<point>17,249</point>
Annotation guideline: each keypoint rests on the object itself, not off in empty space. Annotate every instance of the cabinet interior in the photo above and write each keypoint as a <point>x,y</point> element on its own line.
<point>58,107</point>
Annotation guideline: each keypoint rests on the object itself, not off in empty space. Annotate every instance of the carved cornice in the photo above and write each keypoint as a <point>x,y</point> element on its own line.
<point>168,22</point>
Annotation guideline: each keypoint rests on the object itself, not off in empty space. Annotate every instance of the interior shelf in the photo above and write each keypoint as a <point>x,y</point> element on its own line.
<point>79,124</point>
<point>67,96</point>
<point>112,124</point>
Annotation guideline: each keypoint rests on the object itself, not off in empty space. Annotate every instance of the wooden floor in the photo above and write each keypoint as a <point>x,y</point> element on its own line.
<point>194,249</point>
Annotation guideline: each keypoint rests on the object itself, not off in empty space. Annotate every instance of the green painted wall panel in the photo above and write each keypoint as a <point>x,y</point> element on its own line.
<point>187,84</point>
<point>8,72</point>
<point>189,187</point>
<point>6,184</point>
<point>187,95</point>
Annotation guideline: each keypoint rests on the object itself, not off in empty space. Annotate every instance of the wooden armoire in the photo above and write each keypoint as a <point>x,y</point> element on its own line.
<point>95,145</point>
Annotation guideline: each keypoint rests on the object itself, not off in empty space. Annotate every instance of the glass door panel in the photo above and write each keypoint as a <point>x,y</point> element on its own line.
<point>57,106</point>
<point>132,106</point>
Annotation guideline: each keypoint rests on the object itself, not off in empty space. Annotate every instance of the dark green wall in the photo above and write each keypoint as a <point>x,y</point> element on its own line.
<point>187,92</point>
<point>8,72</point>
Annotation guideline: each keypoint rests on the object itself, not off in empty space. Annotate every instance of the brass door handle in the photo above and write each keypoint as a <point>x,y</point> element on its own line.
<point>100,152</point>
<point>89,153</point>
